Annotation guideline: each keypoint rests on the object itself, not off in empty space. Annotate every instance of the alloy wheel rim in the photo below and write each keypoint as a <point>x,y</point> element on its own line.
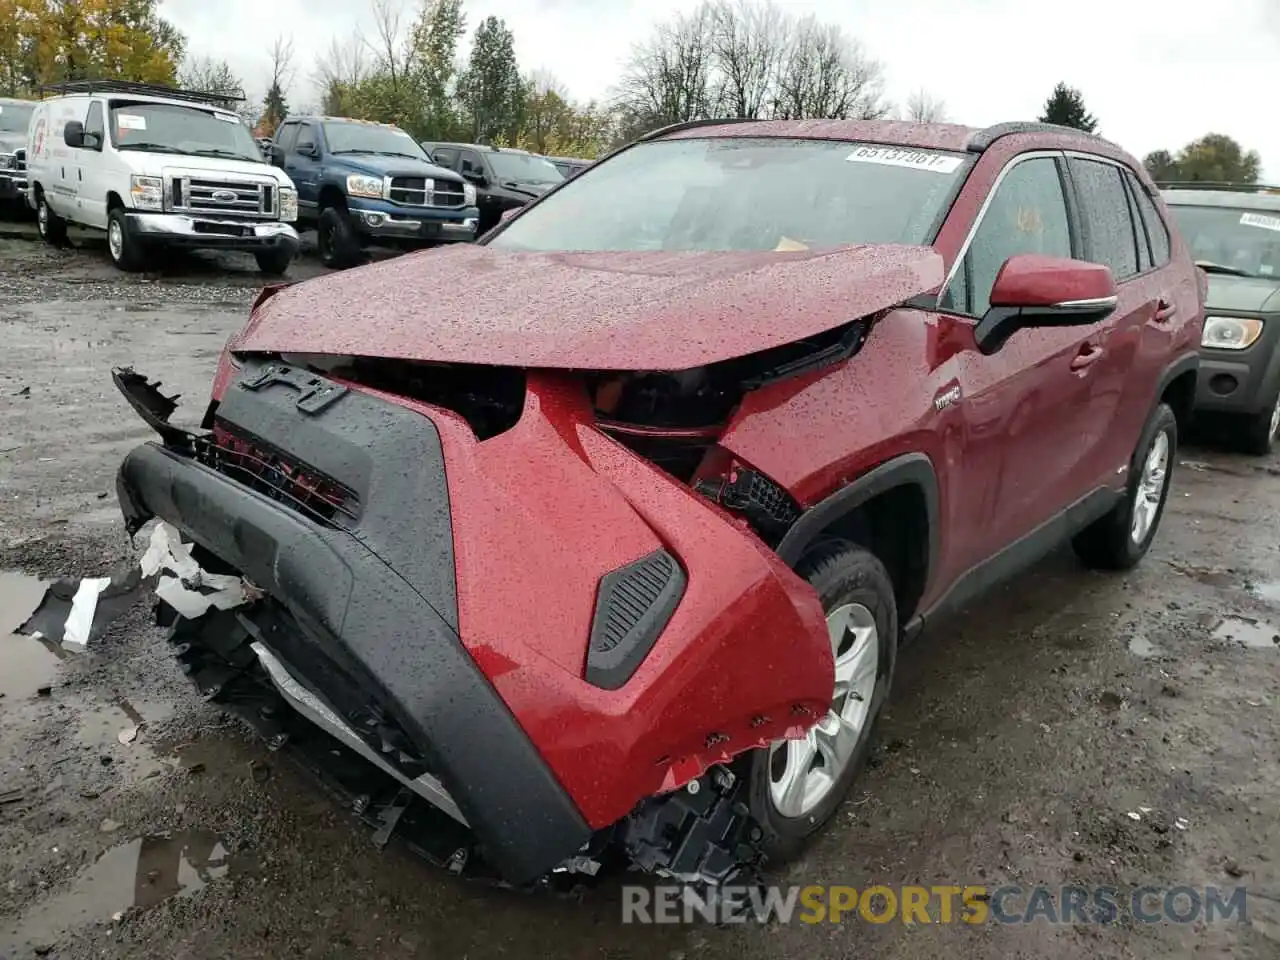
<point>42,217</point>
<point>115,239</point>
<point>1275,420</point>
<point>1150,488</point>
<point>802,773</point>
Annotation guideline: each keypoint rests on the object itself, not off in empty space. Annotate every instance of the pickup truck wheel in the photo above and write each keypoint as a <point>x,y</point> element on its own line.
<point>52,228</point>
<point>796,786</point>
<point>125,250</point>
<point>337,242</point>
<point>274,263</point>
<point>1120,539</point>
<point>1262,430</point>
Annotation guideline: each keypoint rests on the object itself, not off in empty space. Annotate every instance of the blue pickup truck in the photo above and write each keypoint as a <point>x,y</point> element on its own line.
<point>364,184</point>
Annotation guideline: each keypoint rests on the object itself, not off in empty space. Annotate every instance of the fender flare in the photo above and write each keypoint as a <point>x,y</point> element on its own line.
<point>1184,364</point>
<point>909,469</point>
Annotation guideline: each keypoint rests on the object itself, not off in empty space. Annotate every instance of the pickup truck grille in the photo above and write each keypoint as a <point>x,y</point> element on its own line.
<point>412,192</point>
<point>222,197</point>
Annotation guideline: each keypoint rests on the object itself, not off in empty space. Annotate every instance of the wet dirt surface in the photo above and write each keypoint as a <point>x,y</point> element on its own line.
<point>1072,728</point>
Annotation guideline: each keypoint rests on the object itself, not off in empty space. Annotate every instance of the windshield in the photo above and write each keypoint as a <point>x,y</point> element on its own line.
<point>1247,242</point>
<point>524,168</point>
<point>177,128</point>
<point>744,194</point>
<point>14,117</point>
<point>369,138</point>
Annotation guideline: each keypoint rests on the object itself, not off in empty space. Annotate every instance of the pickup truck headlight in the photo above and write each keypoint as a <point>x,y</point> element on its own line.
<point>288,204</point>
<point>358,185</point>
<point>469,194</point>
<point>8,161</point>
<point>147,192</point>
<point>1230,333</point>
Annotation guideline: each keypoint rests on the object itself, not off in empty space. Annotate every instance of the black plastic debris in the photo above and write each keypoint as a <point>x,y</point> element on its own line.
<point>116,597</point>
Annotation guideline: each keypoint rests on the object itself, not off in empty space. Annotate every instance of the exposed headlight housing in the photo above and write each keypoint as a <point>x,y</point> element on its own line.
<point>288,204</point>
<point>358,185</point>
<point>1230,333</point>
<point>469,194</point>
<point>8,161</point>
<point>147,192</point>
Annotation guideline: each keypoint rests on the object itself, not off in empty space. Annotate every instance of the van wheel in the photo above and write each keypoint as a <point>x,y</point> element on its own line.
<point>796,786</point>
<point>275,262</point>
<point>1118,540</point>
<point>53,229</point>
<point>337,242</point>
<point>126,252</point>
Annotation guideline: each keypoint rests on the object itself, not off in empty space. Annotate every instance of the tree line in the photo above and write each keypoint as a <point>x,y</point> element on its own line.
<point>724,59</point>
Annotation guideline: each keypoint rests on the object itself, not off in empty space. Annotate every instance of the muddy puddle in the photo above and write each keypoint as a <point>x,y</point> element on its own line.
<point>1249,632</point>
<point>1140,646</point>
<point>27,666</point>
<point>1270,591</point>
<point>137,874</point>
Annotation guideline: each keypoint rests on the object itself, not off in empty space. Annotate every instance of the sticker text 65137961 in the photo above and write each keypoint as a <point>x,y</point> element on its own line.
<point>906,157</point>
<point>1260,220</point>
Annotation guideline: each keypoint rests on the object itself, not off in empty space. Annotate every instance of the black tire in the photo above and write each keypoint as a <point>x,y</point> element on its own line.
<point>842,573</point>
<point>130,254</point>
<point>1261,432</point>
<point>339,247</point>
<point>52,228</point>
<point>274,263</point>
<point>1108,543</point>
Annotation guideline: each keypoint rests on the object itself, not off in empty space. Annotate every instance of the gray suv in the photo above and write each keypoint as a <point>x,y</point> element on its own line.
<point>1233,231</point>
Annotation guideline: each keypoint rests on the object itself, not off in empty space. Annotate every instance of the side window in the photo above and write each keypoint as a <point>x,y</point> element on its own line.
<point>1109,226</point>
<point>93,124</point>
<point>286,137</point>
<point>446,157</point>
<point>1027,214</point>
<point>1157,232</point>
<point>1139,228</point>
<point>306,138</point>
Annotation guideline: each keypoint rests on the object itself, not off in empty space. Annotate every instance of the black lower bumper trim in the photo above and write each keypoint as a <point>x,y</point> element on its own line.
<point>363,613</point>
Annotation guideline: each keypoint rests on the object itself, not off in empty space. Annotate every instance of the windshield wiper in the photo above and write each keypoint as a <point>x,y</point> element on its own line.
<point>150,147</point>
<point>229,154</point>
<point>383,153</point>
<point>1209,266</point>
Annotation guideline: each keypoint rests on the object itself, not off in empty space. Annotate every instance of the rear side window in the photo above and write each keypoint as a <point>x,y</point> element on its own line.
<point>1157,232</point>
<point>445,157</point>
<point>1111,237</point>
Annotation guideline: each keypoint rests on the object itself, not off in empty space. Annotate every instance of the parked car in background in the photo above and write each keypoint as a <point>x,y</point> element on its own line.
<point>15,119</point>
<point>366,184</point>
<point>727,417</point>
<point>569,166</point>
<point>264,146</point>
<point>504,178</point>
<point>1233,231</point>
<point>156,167</point>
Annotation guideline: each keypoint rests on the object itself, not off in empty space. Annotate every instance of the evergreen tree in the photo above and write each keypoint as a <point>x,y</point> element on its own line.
<point>1065,107</point>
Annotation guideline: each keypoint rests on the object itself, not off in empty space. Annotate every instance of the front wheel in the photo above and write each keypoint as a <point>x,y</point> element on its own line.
<point>1262,430</point>
<point>125,250</point>
<point>274,263</point>
<point>336,239</point>
<point>1121,538</point>
<point>796,786</point>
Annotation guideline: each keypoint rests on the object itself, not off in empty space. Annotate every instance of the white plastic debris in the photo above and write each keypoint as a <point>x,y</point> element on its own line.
<point>75,635</point>
<point>128,735</point>
<point>184,585</point>
<point>1134,815</point>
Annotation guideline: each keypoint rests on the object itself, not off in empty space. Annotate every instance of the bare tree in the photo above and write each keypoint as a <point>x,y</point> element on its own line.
<point>826,74</point>
<point>668,78</point>
<point>748,42</point>
<point>923,107</point>
<point>392,45</point>
<point>342,68</point>
<point>282,69</point>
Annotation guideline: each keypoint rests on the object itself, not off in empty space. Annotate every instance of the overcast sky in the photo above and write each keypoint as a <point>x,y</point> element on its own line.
<point>1156,73</point>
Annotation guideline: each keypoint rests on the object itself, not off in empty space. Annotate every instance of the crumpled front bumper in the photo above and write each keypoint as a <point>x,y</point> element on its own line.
<point>220,233</point>
<point>374,593</point>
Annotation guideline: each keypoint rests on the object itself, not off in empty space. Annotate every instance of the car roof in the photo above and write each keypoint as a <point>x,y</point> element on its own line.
<point>1249,197</point>
<point>951,137</point>
<point>478,147</point>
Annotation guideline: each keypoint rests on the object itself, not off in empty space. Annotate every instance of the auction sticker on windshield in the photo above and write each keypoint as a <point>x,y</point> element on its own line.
<point>1258,220</point>
<point>130,121</point>
<point>913,159</point>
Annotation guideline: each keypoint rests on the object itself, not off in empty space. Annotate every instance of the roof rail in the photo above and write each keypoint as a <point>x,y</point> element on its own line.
<point>692,125</point>
<point>137,89</point>
<point>1225,185</point>
<point>982,139</point>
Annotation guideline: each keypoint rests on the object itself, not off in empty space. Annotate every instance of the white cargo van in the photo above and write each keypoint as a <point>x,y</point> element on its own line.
<point>154,167</point>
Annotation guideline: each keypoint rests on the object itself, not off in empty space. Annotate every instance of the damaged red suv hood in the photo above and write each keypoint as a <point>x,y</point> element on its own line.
<point>602,311</point>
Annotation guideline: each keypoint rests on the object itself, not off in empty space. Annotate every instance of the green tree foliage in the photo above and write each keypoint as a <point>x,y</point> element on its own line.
<point>491,90</point>
<point>1065,107</point>
<point>1214,157</point>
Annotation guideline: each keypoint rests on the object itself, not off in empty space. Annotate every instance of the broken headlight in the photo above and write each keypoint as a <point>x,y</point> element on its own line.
<point>288,204</point>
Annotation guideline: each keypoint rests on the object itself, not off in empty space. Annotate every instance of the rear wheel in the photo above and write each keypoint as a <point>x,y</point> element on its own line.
<point>1262,430</point>
<point>796,786</point>
<point>1120,539</point>
<point>52,228</point>
<point>336,239</point>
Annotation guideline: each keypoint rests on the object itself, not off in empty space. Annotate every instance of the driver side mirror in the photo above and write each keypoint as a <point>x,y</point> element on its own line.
<point>277,155</point>
<point>475,176</point>
<point>1037,291</point>
<point>73,134</point>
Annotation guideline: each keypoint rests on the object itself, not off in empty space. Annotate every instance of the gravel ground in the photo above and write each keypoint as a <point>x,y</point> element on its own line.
<point>1073,728</point>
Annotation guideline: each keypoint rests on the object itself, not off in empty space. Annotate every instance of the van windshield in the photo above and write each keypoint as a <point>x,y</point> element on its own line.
<point>176,128</point>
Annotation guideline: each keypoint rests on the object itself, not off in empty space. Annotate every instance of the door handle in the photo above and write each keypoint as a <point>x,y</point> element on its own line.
<point>1166,310</point>
<point>1089,354</point>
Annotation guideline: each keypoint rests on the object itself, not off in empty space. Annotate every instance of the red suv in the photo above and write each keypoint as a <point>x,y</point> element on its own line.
<point>605,533</point>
